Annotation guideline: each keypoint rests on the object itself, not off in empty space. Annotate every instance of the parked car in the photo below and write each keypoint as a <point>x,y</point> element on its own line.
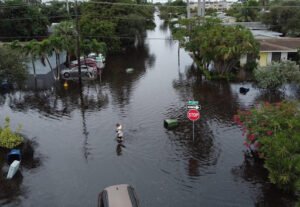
<point>86,72</point>
<point>118,196</point>
<point>87,61</point>
<point>100,59</point>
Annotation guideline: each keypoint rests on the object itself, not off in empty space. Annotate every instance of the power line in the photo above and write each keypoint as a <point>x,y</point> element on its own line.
<point>61,16</point>
<point>86,36</point>
<point>89,2</point>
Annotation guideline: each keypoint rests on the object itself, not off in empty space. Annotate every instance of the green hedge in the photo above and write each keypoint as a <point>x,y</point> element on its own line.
<point>8,138</point>
<point>274,129</point>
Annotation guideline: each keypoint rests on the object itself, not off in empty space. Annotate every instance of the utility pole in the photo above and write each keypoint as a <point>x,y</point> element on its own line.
<point>188,9</point>
<point>199,8</point>
<point>203,8</point>
<point>77,43</point>
<point>68,9</point>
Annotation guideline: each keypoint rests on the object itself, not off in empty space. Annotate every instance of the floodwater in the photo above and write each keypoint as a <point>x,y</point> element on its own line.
<point>77,155</point>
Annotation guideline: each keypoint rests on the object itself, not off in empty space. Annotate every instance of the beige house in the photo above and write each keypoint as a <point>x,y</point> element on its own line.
<point>277,49</point>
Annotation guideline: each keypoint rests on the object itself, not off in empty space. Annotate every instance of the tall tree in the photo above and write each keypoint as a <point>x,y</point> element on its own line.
<point>44,50</point>
<point>223,45</point>
<point>58,48</point>
<point>66,33</point>
<point>21,22</point>
<point>284,17</point>
<point>12,65</point>
<point>117,25</point>
<point>248,11</point>
<point>31,49</point>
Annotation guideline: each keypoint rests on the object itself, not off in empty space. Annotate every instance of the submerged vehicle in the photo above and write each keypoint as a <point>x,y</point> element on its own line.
<point>13,160</point>
<point>86,72</point>
<point>92,60</point>
<point>122,195</point>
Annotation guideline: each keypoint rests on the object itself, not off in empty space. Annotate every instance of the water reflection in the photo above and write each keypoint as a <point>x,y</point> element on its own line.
<point>119,149</point>
<point>56,101</point>
<point>257,175</point>
<point>12,189</point>
<point>288,92</point>
<point>192,86</point>
<point>202,153</point>
<point>121,83</point>
<point>84,127</point>
<point>164,27</point>
<point>193,167</point>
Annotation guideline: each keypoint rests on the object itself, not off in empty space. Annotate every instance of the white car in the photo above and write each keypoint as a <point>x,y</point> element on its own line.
<point>118,196</point>
<point>86,72</point>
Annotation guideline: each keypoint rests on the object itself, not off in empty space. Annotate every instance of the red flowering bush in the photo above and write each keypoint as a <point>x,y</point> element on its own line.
<point>274,131</point>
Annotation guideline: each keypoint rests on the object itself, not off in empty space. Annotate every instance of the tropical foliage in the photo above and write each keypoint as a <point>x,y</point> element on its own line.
<point>212,42</point>
<point>8,138</point>
<point>62,39</point>
<point>274,129</point>
<point>275,75</point>
<point>22,22</point>
<point>12,66</point>
<point>172,9</point>
<point>284,17</point>
<point>56,11</point>
<point>118,24</point>
<point>248,11</point>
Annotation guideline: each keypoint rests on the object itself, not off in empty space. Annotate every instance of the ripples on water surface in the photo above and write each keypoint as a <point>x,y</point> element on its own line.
<point>75,133</point>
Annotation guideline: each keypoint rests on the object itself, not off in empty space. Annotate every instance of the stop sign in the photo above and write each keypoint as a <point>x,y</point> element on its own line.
<point>193,114</point>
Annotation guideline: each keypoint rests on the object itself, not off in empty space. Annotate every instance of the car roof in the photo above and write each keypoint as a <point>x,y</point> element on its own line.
<point>118,196</point>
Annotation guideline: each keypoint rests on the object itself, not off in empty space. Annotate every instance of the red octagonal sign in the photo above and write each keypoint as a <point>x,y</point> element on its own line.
<point>193,114</point>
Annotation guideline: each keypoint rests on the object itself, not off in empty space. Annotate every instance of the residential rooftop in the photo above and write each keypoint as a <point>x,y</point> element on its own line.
<point>280,44</point>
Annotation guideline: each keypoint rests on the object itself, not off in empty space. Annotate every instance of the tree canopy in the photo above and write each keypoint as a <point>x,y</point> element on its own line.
<point>172,9</point>
<point>21,22</point>
<point>117,25</point>
<point>210,41</point>
<point>284,17</point>
<point>12,65</point>
<point>248,11</point>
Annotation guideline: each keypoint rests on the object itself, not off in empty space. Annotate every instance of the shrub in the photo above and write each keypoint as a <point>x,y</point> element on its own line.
<point>8,138</point>
<point>275,131</point>
<point>275,75</point>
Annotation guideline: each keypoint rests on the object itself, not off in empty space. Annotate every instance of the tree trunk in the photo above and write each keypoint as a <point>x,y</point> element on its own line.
<point>57,65</point>
<point>50,66</point>
<point>68,59</point>
<point>33,66</point>
<point>58,55</point>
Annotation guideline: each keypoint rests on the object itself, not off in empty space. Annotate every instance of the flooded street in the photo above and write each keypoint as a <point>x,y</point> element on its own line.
<point>74,133</point>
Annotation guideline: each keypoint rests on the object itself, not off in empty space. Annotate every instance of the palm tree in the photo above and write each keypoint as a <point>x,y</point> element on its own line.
<point>44,50</point>
<point>66,32</point>
<point>30,49</point>
<point>58,48</point>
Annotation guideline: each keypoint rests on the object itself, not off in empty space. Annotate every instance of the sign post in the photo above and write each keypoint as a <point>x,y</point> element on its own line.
<point>193,115</point>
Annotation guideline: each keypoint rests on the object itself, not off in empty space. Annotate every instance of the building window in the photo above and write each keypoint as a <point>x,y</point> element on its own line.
<point>276,56</point>
<point>293,56</point>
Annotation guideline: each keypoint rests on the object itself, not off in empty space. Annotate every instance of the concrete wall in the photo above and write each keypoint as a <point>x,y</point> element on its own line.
<point>284,56</point>
<point>44,69</point>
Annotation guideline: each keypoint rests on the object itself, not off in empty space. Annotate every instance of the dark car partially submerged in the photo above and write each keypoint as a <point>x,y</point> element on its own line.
<point>118,196</point>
